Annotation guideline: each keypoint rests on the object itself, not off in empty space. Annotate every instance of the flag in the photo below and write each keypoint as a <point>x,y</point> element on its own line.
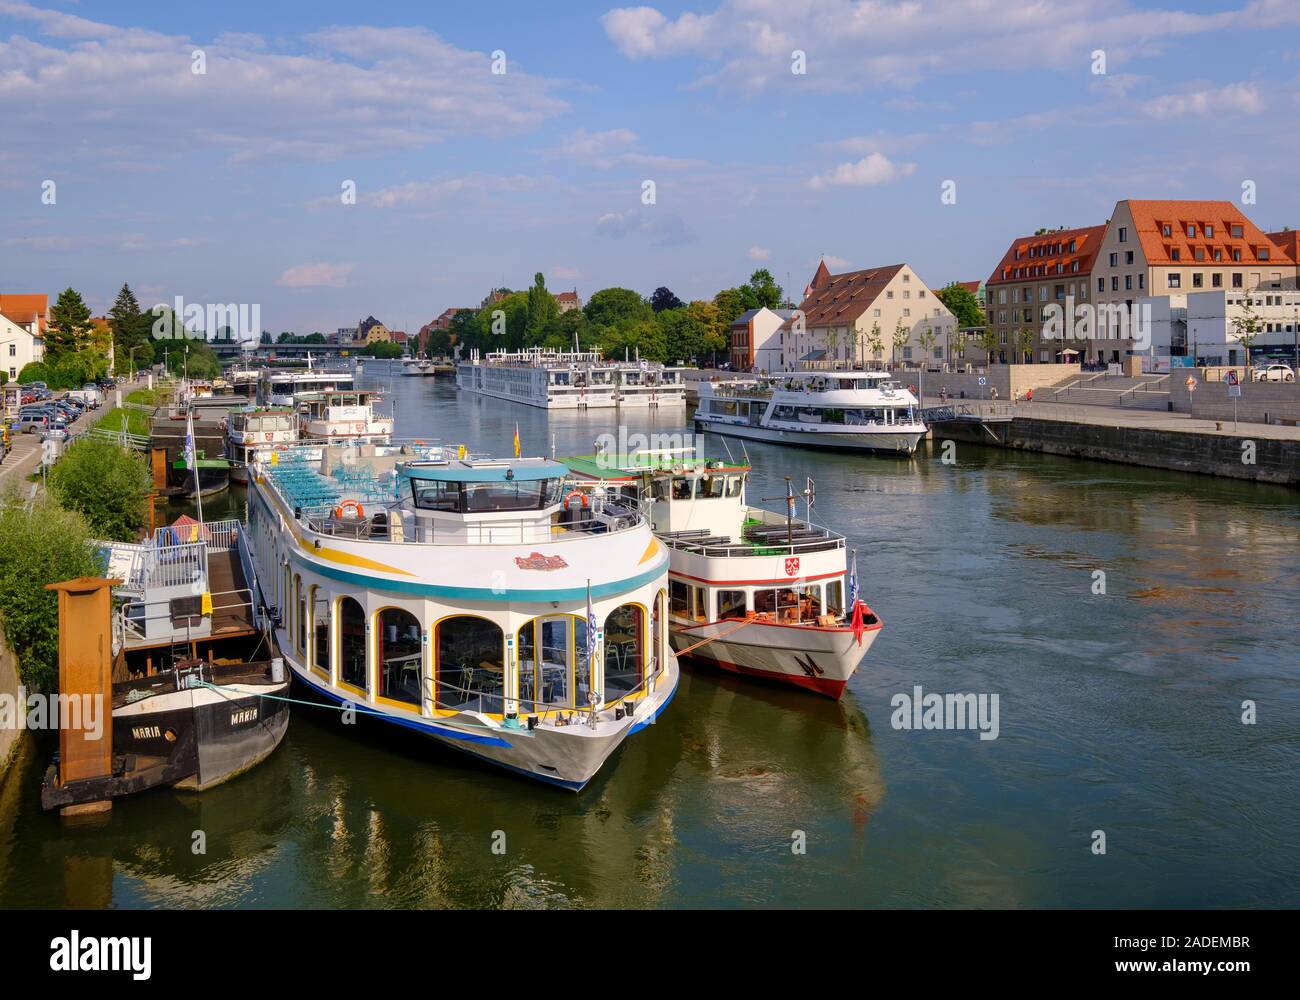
<point>789,497</point>
<point>517,439</point>
<point>591,626</point>
<point>853,580</point>
<point>189,440</point>
<point>858,625</point>
<point>811,494</point>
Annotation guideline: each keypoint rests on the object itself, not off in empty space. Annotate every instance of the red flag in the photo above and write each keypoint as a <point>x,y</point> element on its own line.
<point>859,627</point>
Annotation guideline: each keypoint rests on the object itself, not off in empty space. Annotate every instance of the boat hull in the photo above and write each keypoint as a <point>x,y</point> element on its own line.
<point>564,756</point>
<point>815,658</point>
<point>880,442</point>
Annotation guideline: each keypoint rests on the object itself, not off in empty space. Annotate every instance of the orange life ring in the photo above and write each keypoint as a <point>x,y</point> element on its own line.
<point>355,504</point>
<point>580,495</point>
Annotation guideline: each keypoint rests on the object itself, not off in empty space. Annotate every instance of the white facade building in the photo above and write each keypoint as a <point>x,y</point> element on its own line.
<point>22,332</point>
<point>1201,325</point>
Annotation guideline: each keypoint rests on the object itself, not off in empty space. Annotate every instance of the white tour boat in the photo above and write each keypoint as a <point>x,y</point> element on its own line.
<point>750,591</point>
<point>341,415</point>
<point>573,380</point>
<point>855,410</point>
<point>282,387</point>
<point>482,603</point>
<point>257,429</point>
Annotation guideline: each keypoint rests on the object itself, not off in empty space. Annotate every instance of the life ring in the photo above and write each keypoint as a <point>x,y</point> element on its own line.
<point>580,496</point>
<point>359,426</point>
<point>355,504</point>
<point>268,435</point>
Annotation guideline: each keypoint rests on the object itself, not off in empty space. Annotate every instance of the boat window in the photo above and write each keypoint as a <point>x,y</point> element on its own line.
<point>401,656</point>
<point>430,495</point>
<point>657,630</point>
<point>471,666</point>
<point>731,604</point>
<point>789,603</point>
<point>624,650</point>
<point>712,487</point>
<point>352,643</point>
<point>320,615</point>
<point>529,669</point>
<point>679,596</point>
<point>492,497</point>
<point>659,489</point>
<point>835,597</point>
<point>734,484</point>
<point>701,598</point>
<point>682,488</point>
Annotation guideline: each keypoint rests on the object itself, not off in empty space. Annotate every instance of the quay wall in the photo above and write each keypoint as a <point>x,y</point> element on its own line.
<point>1276,460</point>
<point>1009,380</point>
<point>9,738</point>
<point>1260,402</point>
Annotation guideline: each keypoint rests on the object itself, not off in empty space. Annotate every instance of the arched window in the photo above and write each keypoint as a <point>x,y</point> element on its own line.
<point>553,668</point>
<point>352,644</point>
<point>401,656</point>
<point>657,631</point>
<point>320,616</point>
<point>471,664</point>
<point>624,650</point>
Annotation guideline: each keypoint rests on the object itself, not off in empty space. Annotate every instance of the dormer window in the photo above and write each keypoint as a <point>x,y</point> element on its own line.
<point>1236,231</point>
<point>1263,253</point>
<point>1209,231</point>
<point>1191,230</point>
<point>1167,230</point>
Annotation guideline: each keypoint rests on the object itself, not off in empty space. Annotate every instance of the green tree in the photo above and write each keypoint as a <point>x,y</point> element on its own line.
<point>69,326</point>
<point>763,290</point>
<point>730,303</point>
<point>462,329</point>
<point>875,341</point>
<point>383,349</point>
<point>45,544</point>
<point>1246,325</point>
<point>927,339</point>
<point>131,327</point>
<point>686,336</point>
<point>663,299</point>
<point>987,340</point>
<point>105,484</point>
<point>192,357</point>
<point>615,305</point>
<point>543,312</point>
<point>963,304</point>
<point>633,338</point>
<point>1025,344</point>
<point>900,337</point>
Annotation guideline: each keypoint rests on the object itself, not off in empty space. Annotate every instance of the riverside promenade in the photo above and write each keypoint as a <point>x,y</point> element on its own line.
<point>1157,439</point>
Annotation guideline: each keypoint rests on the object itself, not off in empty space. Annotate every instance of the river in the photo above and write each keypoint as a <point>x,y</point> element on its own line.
<point>1119,712</point>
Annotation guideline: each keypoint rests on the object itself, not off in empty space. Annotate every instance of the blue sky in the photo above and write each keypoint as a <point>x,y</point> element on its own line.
<point>225,186</point>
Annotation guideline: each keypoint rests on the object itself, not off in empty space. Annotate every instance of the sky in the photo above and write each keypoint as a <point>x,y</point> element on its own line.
<point>487,141</point>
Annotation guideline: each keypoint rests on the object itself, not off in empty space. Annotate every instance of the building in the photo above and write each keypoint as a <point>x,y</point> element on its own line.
<point>976,288</point>
<point>755,340</point>
<point>371,331</point>
<point>1156,248</point>
<point>852,318</point>
<point>344,336</point>
<point>493,297</point>
<point>568,300</point>
<point>1048,268</point>
<point>23,322</point>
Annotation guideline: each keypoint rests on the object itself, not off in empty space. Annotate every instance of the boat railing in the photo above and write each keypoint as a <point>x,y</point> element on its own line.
<point>134,617</point>
<point>828,541</point>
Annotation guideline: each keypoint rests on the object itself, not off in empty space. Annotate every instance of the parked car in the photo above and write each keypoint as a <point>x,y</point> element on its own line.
<point>1273,373</point>
<point>32,420</point>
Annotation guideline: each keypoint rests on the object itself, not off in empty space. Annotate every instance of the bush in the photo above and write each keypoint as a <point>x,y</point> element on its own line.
<point>47,545</point>
<point>107,485</point>
<point>34,371</point>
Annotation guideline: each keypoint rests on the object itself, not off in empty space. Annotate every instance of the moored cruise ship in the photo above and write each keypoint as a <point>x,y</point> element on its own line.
<point>481,603</point>
<point>255,429</point>
<point>750,591</point>
<point>854,410</point>
<point>282,387</point>
<point>338,415</point>
<point>575,380</point>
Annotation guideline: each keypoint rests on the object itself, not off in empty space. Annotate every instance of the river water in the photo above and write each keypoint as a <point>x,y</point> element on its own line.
<point>1119,712</point>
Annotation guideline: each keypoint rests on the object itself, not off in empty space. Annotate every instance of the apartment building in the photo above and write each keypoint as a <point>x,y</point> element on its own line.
<point>1154,248</point>
<point>23,321</point>
<point>755,339</point>
<point>1049,268</point>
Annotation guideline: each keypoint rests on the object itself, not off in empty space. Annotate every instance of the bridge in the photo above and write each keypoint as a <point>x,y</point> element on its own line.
<point>969,412</point>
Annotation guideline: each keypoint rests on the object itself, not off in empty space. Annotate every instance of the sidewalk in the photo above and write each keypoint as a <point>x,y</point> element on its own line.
<point>25,457</point>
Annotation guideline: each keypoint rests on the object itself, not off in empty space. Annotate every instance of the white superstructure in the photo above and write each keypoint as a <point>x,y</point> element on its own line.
<point>577,380</point>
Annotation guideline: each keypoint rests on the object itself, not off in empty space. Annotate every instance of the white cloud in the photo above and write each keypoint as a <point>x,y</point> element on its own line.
<point>869,171</point>
<point>660,227</point>
<point>856,44</point>
<point>316,275</point>
<point>759,253</point>
<point>440,189</point>
<point>833,263</point>
<point>336,92</point>
<point>1233,99</point>
<point>613,148</point>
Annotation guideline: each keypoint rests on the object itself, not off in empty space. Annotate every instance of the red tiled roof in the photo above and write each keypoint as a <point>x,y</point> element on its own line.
<point>1034,258</point>
<point>970,286</point>
<point>23,309</point>
<point>1289,242</point>
<point>839,299</point>
<point>1150,219</point>
<point>567,296</point>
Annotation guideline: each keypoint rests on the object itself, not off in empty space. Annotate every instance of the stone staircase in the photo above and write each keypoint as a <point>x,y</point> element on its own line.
<point>1134,392</point>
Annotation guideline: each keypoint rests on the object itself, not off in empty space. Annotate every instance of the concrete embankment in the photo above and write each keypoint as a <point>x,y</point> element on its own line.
<point>1241,455</point>
<point>10,736</point>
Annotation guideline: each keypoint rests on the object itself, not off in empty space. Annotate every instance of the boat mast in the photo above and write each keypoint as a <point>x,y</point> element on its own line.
<point>191,458</point>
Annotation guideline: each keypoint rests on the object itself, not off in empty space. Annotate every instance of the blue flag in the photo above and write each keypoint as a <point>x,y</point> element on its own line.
<point>853,581</point>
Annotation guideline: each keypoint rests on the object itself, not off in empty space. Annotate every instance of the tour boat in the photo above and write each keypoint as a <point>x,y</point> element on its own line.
<point>575,380</point>
<point>482,603</point>
<point>750,591</point>
<point>257,429</point>
<point>283,387</point>
<point>854,410</point>
<point>340,415</point>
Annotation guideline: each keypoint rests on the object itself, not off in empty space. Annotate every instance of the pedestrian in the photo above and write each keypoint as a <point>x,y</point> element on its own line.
<point>1029,395</point>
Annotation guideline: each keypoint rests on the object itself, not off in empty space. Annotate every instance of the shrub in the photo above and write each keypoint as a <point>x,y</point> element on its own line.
<point>45,545</point>
<point>107,485</point>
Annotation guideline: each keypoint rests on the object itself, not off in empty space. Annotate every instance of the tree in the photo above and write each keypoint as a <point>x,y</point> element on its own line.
<point>686,336</point>
<point>1246,326</point>
<point>730,304</point>
<point>875,341</point>
<point>663,299</point>
<point>543,311</point>
<point>69,325</point>
<point>900,337</point>
<point>927,339</point>
<point>130,328</point>
<point>40,545</point>
<point>193,358</point>
<point>1025,344</point>
<point>963,304</point>
<point>764,290</point>
<point>383,349</point>
<point>610,306</point>
<point>632,338</point>
<point>988,342</point>
<point>461,329</point>
<point>107,485</point>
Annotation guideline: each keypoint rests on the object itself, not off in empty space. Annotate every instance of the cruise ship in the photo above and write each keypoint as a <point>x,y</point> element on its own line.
<point>344,414</point>
<point>854,410</point>
<point>574,380</point>
<point>483,603</point>
<point>257,429</point>
<point>282,387</point>
<point>750,591</point>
